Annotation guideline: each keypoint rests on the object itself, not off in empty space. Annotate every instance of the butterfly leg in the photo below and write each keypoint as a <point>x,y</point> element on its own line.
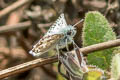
<point>57,48</point>
<point>75,45</point>
<point>67,47</point>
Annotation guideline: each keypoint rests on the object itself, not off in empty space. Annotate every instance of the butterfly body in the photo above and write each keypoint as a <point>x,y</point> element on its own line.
<point>58,34</point>
<point>69,32</point>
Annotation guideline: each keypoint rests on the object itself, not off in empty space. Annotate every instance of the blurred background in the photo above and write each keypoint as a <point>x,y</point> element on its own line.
<point>24,22</point>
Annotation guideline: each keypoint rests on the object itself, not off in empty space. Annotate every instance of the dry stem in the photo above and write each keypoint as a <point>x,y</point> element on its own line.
<point>13,7</point>
<point>39,62</point>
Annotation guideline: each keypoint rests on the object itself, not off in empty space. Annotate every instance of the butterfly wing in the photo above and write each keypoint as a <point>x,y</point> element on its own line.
<point>45,44</point>
<point>50,38</point>
<point>57,26</point>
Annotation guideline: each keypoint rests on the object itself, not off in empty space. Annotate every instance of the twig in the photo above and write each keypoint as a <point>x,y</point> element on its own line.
<point>100,46</point>
<point>15,27</point>
<point>20,26</point>
<point>26,66</point>
<point>45,25</point>
<point>39,62</point>
<point>13,7</point>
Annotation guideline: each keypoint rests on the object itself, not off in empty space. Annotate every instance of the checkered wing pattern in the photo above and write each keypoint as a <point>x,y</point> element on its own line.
<point>57,26</point>
<point>45,44</point>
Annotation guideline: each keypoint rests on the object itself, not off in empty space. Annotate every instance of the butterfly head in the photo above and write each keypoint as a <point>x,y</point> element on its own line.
<point>70,31</point>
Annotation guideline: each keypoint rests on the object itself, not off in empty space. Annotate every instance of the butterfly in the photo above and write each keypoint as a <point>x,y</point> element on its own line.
<point>58,36</point>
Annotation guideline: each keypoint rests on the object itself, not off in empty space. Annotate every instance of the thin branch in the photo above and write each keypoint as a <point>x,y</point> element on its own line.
<point>45,25</point>
<point>100,46</point>
<point>15,27</point>
<point>39,62</point>
<point>19,26</point>
<point>26,66</point>
<point>13,7</point>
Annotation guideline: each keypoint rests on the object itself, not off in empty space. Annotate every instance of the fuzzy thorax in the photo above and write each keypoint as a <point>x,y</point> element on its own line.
<point>69,32</point>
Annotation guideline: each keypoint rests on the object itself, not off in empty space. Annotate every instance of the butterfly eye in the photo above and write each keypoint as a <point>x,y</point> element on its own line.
<point>69,33</point>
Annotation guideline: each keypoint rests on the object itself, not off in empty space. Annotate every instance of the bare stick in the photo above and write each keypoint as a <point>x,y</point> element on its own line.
<point>14,27</point>
<point>78,22</point>
<point>26,66</point>
<point>19,26</point>
<point>100,46</point>
<point>39,62</point>
<point>13,7</point>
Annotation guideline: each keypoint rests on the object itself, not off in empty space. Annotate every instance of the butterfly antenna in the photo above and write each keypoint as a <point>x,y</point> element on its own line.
<point>78,22</point>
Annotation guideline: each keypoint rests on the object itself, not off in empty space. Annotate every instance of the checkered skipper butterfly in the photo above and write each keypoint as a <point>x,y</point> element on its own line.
<point>58,36</point>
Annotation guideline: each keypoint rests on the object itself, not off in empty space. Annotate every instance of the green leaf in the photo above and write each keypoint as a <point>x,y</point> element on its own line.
<point>59,77</point>
<point>97,30</point>
<point>115,67</point>
<point>94,75</point>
